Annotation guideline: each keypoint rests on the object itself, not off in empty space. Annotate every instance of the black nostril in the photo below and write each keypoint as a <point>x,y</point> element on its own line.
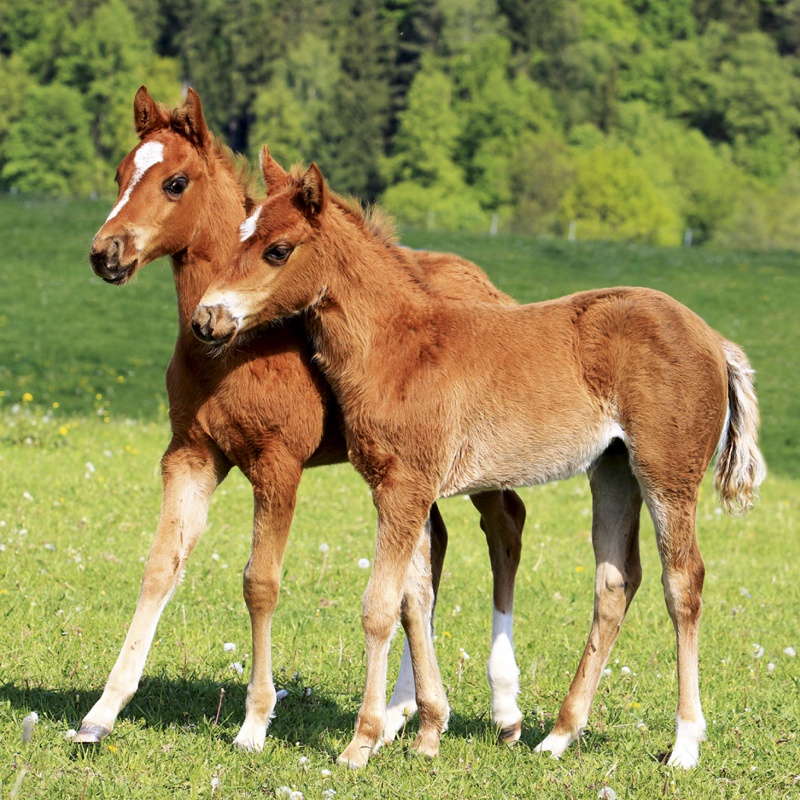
<point>197,330</point>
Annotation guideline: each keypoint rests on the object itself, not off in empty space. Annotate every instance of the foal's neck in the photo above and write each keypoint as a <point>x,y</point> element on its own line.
<point>378,302</point>
<point>210,250</point>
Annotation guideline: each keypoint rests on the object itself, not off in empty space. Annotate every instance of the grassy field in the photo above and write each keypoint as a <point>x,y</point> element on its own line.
<point>82,427</point>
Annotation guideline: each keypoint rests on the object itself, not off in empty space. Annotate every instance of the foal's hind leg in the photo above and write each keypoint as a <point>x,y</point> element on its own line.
<point>502,519</point>
<point>682,577</point>
<point>190,477</point>
<point>616,502</point>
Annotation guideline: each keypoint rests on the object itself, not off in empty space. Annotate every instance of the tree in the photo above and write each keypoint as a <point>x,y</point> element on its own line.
<point>48,150</point>
<point>612,197</point>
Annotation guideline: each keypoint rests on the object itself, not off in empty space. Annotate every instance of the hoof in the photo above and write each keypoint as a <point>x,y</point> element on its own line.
<point>426,745</point>
<point>91,734</point>
<point>510,735</point>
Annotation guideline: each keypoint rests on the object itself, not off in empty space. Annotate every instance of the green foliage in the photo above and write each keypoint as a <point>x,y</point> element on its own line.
<point>48,150</point>
<point>435,105</point>
<point>612,197</point>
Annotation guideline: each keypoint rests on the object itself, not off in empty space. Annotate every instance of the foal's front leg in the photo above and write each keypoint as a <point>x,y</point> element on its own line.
<point>190,476</point>
<point>275,494</point>
<point>399,533</point>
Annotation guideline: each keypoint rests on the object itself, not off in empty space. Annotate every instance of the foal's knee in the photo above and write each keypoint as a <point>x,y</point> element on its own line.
<point>260,592</point>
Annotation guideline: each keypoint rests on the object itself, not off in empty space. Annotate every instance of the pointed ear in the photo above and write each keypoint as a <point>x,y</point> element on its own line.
<point>312,190</point>
<point>147,115</point>
<point>275,176</point>
<point>193,120</point>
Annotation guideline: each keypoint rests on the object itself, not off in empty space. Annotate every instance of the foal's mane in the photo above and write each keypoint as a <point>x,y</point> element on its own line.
<point>236,164</point>
<point>372,219</point>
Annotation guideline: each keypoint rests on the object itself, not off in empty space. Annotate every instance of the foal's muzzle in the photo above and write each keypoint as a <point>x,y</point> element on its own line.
<point>107,258</point>
<point>214,325</point>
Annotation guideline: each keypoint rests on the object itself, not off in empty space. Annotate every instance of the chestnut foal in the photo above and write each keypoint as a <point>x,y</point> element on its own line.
<point>262,407</point>
<point>441,398</point>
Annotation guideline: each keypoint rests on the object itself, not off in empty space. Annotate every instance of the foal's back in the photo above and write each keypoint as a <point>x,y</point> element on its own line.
<point>536,393</point>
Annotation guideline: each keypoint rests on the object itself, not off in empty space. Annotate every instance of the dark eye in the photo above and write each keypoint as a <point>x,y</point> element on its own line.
<point>277,253</point>
<point>175,187</point>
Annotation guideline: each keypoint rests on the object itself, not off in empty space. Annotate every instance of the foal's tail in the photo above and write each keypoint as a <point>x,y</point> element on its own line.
<point>740,467</point>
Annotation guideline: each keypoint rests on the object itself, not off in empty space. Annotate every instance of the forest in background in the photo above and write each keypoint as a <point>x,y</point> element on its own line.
<point>631,120</point>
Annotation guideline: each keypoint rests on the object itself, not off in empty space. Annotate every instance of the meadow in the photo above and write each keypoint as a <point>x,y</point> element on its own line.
<point>82,427</point>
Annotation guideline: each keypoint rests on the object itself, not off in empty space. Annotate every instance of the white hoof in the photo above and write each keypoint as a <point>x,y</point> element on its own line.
<point>250,739</point>
<point>555,744</point>
<point>686,752</point>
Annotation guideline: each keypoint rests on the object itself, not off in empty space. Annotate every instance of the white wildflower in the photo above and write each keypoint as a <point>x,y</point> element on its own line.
<point>770,667</point>
<point>464,655</point>
<point>363,563</point>
<point>70,734</point>
<point>27,495</point>
<point>326,773</point>
<point>281,694</point>
<point>324,547</point>
<point>625,670</point>
<point>237,667</point>
<point>27,726</point>
<point>790,651</point>
<point>607,793</point>
<point>328,793</point>
<point>758,651</point>
<point>607,672</point>
<point>229,647</point>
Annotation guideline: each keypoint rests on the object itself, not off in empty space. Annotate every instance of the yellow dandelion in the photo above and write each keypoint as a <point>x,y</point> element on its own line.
<point>56,404</point>
<point>120,379</point>
<point>98,396</point>
<point>578,569</point>
<point>63,430</point>
<point>27,397</point>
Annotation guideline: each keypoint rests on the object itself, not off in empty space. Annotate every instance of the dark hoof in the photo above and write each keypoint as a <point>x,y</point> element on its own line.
<point>511,734</point>
<point>91,734</point>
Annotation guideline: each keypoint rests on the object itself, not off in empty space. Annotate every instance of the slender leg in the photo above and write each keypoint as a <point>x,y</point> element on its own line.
<point>190,477</point>
<point>403,703</point>
<point>617,503</point>
<point>275,493</point>
<point>416,614</point>
<point>682,576</point>
<point>502,519</point>
<point>400,529</point>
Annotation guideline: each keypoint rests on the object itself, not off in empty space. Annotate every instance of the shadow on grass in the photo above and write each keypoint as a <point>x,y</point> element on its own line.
<point>192,704</point>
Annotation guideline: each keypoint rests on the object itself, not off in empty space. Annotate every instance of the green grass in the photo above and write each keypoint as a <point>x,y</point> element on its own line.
<point>74,538</point>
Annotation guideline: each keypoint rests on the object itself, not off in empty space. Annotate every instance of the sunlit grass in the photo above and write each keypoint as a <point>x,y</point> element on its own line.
<point>82,428</point>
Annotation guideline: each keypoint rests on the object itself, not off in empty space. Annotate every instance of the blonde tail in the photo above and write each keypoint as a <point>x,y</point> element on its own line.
<point>740,467</point>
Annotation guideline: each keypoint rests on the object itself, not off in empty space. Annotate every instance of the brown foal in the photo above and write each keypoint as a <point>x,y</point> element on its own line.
<point>441,397</point>
<point>262,407</point>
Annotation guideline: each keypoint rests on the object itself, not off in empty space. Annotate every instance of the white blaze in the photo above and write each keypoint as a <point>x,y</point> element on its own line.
<point>149,154</point>
<point>248,227</point>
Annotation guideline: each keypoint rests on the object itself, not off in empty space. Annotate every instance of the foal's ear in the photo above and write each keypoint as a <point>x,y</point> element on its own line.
<point>194,123</point>
<point>312,190</point>
<point>147,115</point>
<point>275,176</point>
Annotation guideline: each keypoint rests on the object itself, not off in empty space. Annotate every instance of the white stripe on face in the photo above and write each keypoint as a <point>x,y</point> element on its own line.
<point>248,227</point>
<point>149,154</point>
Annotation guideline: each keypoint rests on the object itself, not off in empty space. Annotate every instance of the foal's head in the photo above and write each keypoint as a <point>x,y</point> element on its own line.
<point>165,187</point>
<point>279,268</point>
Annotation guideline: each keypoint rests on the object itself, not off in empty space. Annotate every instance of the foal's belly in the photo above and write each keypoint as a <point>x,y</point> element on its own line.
<point>482,462</point>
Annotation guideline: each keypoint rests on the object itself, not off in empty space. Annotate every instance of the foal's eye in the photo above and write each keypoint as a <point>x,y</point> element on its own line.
<point>175,187</point>
<point>277,253</point>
